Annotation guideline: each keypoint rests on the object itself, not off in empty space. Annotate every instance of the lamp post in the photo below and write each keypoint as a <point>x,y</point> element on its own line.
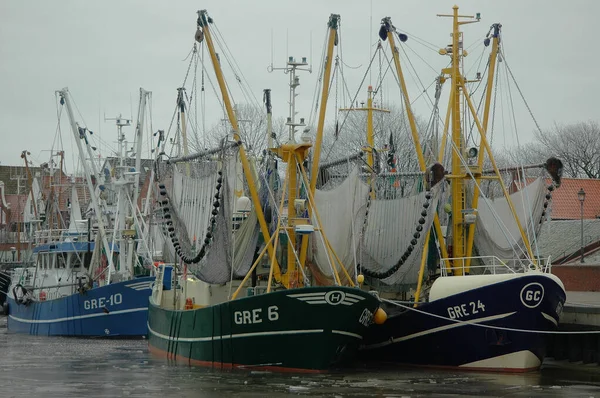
<point>581,196</point>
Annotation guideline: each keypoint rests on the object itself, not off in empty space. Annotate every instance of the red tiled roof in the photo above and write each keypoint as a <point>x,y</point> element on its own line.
<point>565,203</point>
<point>17,205</point>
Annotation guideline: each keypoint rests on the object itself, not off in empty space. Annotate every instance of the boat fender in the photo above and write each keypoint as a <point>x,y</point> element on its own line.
<point>5,308</point>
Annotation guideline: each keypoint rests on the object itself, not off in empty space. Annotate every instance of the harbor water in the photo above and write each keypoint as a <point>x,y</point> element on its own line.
<point>33,366</point>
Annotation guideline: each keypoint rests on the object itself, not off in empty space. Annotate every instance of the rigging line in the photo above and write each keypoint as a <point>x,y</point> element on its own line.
<point>357,92</point>
<point>189,66</point>
<point>189,53</point>
<point>387,69</point>
<point>535,243</point>
<point>381,75</point>
<point>203,99</point>
<point>351,67</point>
<point>422,42</point>
<point>276,210</point>
<point>421,58</point>
<point>474,322</point>
<point>480,59</point>
<point>169,129</point>
<point>249,93</point>
<point>314,221</point>
<point>494,108</point>
<point>519,89</point>
<point>315,99</point>
<point>504,229</point>
<point>477,42</point>
<point>196,100</point>
<point>503,106</point>
<point>483,75</point>
<point>470,136</point>
<point>345,92</point>
<point>416,75</point>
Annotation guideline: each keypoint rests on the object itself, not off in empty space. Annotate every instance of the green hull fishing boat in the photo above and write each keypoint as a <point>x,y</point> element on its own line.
<point>198,313</point>
<point>266,331</point>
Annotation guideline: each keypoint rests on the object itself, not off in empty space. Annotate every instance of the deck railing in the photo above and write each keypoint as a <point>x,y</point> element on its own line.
<point>492,265</point>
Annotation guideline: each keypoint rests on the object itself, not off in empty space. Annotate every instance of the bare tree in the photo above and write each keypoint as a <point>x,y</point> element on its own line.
<point>252,124</point>
<point>347,136</point>
<point>576,145</point>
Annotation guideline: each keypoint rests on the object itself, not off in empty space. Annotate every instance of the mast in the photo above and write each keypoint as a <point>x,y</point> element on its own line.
<point>331,42</point>
<point>495,30</point>
<point>139,138</point>
<point>370,133</point>
<point>181,105</point>
<point>387,31</point>
<point>461,242</point>
<point>203,23</point>
<point>333,24</point>
<point>30,182</point>
<point>267,94</point>
<point>79,134</point>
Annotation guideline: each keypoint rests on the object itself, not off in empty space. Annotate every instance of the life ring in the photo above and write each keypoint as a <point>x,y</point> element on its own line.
<point>23,297</point>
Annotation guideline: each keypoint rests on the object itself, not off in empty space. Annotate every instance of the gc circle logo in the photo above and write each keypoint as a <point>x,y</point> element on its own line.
<point>532,294</point>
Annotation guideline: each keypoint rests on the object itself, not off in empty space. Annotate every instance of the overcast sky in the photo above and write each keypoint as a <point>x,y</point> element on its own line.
<point>104,51</point>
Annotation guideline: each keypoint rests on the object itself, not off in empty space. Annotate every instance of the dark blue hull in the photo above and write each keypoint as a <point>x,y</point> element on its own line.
<point>439,333</point>
<point>115,310</point>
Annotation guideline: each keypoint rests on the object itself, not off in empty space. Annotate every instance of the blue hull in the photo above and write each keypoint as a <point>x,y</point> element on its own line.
<point>529,302</point>
<point>115,310</point>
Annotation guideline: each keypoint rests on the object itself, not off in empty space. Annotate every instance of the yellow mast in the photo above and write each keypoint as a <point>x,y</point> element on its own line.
<point>181,104</point>
<point>203,21</point>
<point>331,42</point>
<point>370,134</point>
<point>333,25</point>
<point>461,243</point>
<point>486,114</point>
<point>389,30</point>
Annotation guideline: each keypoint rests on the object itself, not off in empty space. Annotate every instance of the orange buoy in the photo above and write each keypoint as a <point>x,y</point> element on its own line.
<point>42,295</point>
<point>380,316</point>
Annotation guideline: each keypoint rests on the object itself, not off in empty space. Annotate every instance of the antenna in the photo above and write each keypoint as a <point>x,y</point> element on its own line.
<point>120,121</point>
<point>271,47</point>
<point>291,67</point>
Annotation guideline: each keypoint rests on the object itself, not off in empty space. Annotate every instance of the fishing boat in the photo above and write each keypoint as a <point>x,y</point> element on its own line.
<point>489,301</point>
<point>200,311</point>
<point>87,280</point>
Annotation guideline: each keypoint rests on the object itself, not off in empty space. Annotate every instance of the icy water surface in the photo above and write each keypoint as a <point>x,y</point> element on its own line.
<point>65,367</point>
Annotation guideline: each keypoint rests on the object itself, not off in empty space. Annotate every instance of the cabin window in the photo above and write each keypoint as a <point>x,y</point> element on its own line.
<point>61,260</point>
<point>115,260</point>
<point>87,259</point>
<point>75,260</point>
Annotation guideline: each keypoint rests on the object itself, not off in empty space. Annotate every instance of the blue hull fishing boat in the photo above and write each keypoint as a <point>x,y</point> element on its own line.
<point>116,310</point>
<point>93,278</point>
<point>472,329</point>
<point>464,246</point>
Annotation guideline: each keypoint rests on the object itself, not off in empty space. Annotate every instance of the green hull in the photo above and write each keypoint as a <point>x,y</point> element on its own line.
<point>308,329</point>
